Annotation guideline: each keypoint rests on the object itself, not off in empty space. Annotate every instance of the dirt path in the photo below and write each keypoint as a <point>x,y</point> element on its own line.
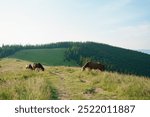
<point>61,86</point>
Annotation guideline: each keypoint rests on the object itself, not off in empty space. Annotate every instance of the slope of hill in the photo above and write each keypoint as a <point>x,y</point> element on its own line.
<point>61,82</point>
<point>114,58</point>
<point>52,57</point>
<point>77,53</point>
<point>145,51</point>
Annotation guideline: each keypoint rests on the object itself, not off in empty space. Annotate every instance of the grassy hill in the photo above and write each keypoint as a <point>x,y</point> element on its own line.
<point>53,57</point>
<point>115,59</point>
<point>61,82</point>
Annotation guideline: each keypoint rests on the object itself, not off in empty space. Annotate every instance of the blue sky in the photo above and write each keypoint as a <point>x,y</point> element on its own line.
<point>123,23</point>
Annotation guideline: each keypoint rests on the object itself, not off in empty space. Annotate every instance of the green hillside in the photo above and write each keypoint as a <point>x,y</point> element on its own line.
<point>115,59</point>
<point>52,57</point>
<point>61,82</point>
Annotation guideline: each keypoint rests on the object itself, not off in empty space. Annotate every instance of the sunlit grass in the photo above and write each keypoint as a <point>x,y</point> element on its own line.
<point>61,82</point>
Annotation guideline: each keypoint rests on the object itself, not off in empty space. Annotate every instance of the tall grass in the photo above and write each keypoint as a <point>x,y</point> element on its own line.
<point>68,83</point>
<point>25,84</point>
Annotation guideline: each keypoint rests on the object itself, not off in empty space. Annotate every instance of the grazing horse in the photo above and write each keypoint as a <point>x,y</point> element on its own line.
<point>93,65</point>
<point>29,66</point>
<point>38,66</point>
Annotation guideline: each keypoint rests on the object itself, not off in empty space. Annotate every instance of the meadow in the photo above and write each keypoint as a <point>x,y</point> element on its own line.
<point>61,82</point>
<point>53,57</point>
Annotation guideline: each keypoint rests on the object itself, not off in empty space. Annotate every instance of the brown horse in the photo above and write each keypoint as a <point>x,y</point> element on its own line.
<point>38,66</point>
<point>93,65</point>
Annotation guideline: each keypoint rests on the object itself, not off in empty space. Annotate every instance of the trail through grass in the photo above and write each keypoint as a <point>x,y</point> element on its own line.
<point>61,82</point>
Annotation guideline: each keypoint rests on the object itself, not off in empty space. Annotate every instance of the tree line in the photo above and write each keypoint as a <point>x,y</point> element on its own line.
<point>7,50</point>
<point>114,58</point>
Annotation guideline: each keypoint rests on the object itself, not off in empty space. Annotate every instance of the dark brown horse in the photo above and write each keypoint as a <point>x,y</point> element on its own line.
<point>38,66</point>
<point>93,65</point>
